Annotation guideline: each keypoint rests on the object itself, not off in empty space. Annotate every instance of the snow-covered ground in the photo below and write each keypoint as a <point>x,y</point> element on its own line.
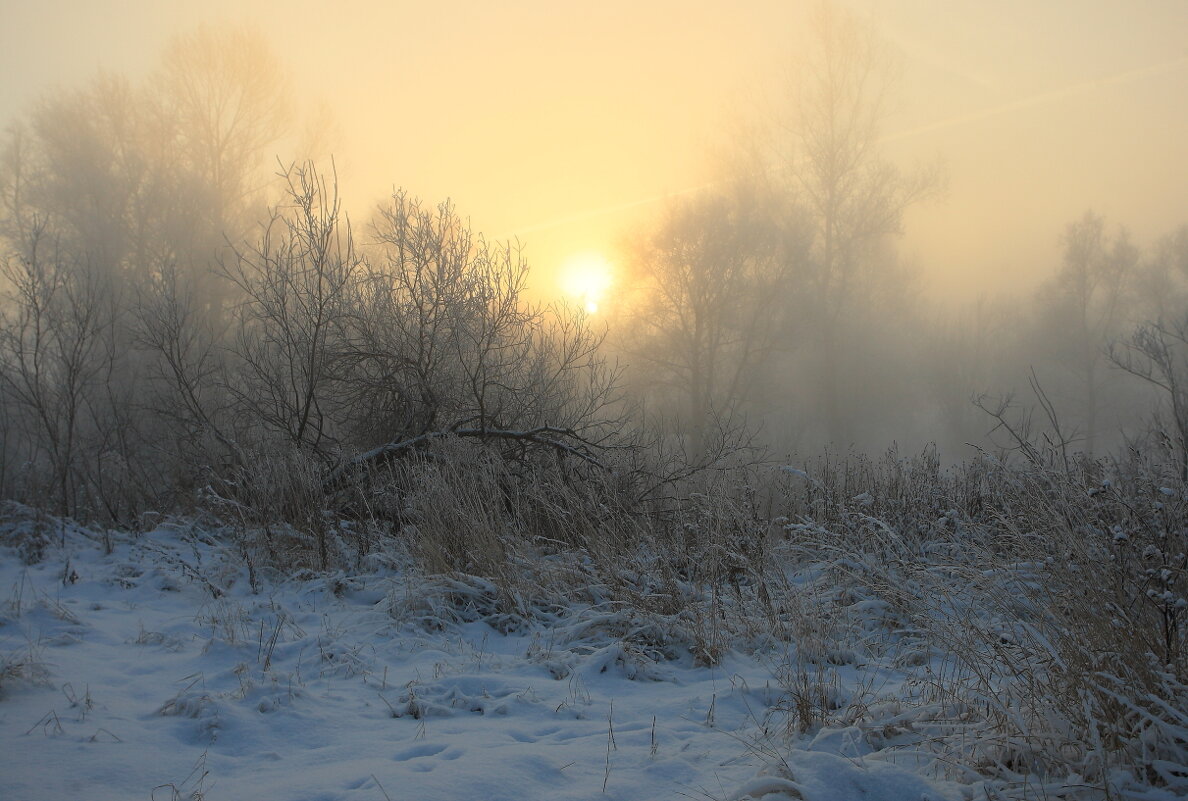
<point>125,677</point>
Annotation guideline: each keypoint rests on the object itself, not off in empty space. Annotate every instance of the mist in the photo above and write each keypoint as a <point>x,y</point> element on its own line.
<point>492,363</point>
<point>582,134</point>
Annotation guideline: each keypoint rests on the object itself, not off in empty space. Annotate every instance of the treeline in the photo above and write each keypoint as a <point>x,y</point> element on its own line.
<point>777,297</point>
<point>724,322</point>
<point>168,334</point>
<point>180,316</point>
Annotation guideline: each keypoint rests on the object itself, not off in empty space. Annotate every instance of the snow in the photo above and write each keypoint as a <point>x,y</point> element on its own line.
<point>126,678</point>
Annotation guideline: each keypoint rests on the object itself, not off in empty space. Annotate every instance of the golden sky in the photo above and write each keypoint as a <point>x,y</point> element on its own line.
<point>563,122</point>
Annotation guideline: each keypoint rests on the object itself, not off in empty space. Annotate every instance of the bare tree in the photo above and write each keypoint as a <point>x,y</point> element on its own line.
<point>355,357</point>
<point>133,178</point>
<point>712,295</point>
<point>110,193</point>
<point>295,286</point>
<point>226,100</point>
<point>79,167</point>
<point>854,197</point>
<point>59,354</point>
<point>1084,304</point>
<point>185,363</point>
<point>1161,284</point>
<point>444,339</point>
<point>1157,353</point>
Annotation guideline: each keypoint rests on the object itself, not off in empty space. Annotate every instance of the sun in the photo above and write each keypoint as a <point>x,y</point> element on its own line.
<point>586,277</point>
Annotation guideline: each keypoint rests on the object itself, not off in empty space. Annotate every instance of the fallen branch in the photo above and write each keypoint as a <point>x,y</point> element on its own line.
<point>548,436</point>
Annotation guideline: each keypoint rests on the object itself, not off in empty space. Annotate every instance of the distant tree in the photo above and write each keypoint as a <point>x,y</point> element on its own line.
<point>1157,353</point>
<point>114,201</point>
<point>227,103</point>
<point>1083,307</point>
<point>854,198</point>
<point>77,169</point>
<point>710,299</point>
<point>1161,283</point>
<point>965,354</point>
<point>141,177</point>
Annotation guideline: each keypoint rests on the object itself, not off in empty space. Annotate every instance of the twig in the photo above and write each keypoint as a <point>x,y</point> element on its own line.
<point>610,743</point>
<point>381,787</point>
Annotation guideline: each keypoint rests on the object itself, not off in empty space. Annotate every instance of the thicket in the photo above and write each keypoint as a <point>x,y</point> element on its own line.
<point>127,393</point>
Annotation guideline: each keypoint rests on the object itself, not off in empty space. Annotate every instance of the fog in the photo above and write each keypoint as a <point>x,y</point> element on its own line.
<point>839,347</point>
<point>545,120</point>
<point>598,136</point>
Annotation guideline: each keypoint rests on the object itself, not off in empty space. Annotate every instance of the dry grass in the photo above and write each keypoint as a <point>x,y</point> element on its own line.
<point>1037,613</point>
<point>1050,599</point>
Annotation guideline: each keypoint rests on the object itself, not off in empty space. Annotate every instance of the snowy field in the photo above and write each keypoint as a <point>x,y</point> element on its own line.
<point>154,672</point>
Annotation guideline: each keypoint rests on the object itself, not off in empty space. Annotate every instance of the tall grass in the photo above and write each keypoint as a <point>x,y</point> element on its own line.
<point>1052,599</point>
<point>1035,610</point>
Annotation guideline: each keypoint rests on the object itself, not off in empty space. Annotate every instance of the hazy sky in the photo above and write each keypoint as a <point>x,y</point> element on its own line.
<point>557,121</point>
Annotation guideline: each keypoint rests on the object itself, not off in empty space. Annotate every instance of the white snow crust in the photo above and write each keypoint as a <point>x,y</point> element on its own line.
<point>127,678</point>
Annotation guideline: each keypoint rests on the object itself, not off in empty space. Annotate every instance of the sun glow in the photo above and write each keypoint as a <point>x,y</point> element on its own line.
<point>586,278</point>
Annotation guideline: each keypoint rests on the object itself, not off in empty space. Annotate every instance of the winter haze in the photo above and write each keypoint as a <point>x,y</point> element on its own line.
<point>550,120</point>
<point>753,401</point>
